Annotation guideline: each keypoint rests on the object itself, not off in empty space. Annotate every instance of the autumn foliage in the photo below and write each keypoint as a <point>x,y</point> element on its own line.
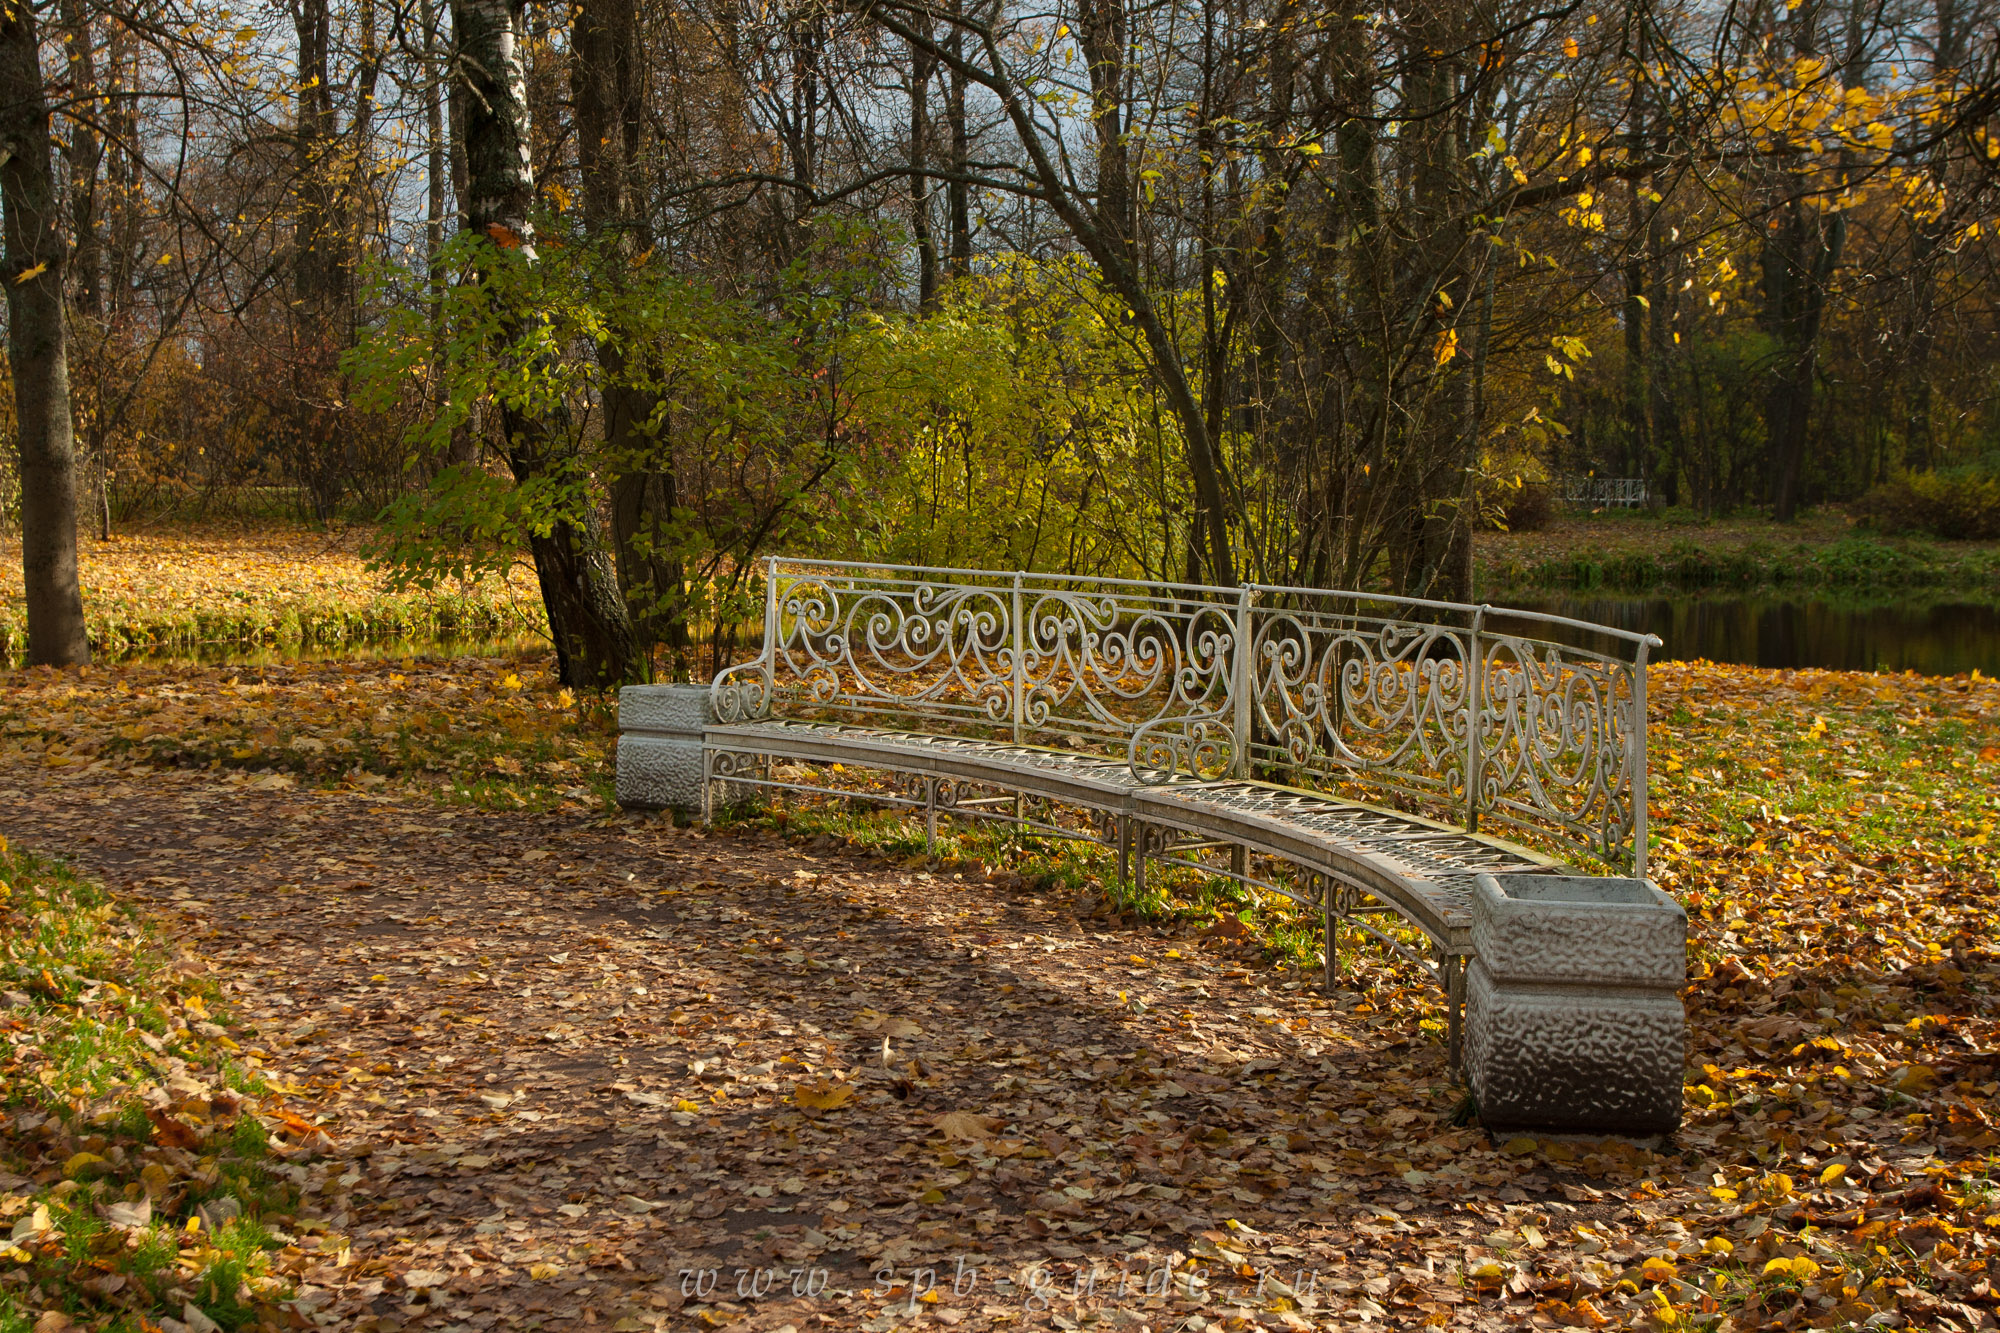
<point>1829,833</point>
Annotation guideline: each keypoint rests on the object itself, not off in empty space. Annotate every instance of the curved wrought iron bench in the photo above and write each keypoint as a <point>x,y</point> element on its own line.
<point>1353,752</point>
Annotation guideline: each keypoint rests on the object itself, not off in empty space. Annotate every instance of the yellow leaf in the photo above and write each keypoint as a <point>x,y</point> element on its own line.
<point>1832,1173</point>
<point>545,1272</point>
<point>82,1162</point>
<point>1657,1269</point>
<point>1916,1079</point>
<point>1570,48</point>
<point>1445,347</point>
<point>1802,1268</point>
<point>823,1095</point>
<point>34,272</point>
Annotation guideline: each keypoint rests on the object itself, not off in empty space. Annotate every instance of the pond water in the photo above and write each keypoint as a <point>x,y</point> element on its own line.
<point>1942,638</point>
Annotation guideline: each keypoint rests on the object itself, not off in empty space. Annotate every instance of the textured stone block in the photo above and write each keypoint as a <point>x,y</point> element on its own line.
<point>1573,1012</point>
<point>680,710</point>
<point>1578,930</point>
<point>660,746</point>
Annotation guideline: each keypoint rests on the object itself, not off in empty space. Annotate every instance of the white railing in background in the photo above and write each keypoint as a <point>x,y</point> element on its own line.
<point>1616,492</point>
<point>1361,689</point>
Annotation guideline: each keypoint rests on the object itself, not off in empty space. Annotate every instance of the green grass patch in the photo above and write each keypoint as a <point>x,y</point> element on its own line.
<point>1852,566</point>
<point>138,1174</point>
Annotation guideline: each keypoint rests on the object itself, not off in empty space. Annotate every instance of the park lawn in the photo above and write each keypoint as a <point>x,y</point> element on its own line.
<point>499,732</point>
<point>184,589</point>
<point>1633,550</point>
<point>142,1170</point>
<point>1831,835</point>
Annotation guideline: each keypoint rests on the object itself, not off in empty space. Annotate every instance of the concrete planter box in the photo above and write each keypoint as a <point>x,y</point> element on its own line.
<point>659,746</point>
<point>1573,1011</point>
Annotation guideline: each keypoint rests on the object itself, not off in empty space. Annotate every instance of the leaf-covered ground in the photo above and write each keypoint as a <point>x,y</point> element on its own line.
<point>143,1171</point>
<point>192,589</point>
<point>573,1063</point>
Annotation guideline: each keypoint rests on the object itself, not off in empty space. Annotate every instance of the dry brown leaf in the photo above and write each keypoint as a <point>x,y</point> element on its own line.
<point>967,1126</point>
<point>823,1095</point>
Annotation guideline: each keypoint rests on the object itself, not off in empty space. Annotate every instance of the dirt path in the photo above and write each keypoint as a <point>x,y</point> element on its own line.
<point>564,1059</point>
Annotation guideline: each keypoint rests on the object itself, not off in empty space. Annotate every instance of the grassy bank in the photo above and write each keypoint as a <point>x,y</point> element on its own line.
<point>1636,553</point>
<point>495,732</point>
<point>143,1171</point>
<point>271,584</point>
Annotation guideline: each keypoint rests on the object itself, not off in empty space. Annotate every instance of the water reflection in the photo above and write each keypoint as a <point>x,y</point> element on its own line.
<point>1937,639</point>
<point>350,650</point>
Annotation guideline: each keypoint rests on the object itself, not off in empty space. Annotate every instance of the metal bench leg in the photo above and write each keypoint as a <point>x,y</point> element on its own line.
<point>1239,861</point>
<point>1454,991</point>
<point>1332,932</point>
<point>707,787</point>
<point>930,816</point>
<point>1138,859</point>
<point>1124,852</point>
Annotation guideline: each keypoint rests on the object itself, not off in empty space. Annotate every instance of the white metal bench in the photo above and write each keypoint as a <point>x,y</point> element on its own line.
<point>1365,747</point>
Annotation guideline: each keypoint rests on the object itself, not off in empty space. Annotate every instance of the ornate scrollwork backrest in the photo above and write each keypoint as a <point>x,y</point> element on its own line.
<point>1105,667</point>
<point>1428,703</point>
<point>1343,692</point>
<point>1557,741</point>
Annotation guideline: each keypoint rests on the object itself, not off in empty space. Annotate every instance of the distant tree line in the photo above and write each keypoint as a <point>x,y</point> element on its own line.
<point>1198,290</point>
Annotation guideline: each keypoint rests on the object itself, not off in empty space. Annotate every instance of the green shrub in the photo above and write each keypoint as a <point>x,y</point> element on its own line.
<point>1962,506</point>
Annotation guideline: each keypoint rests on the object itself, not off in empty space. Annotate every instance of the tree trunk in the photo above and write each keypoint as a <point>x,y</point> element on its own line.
<point>593,636</point>
<point>958,193</point>
<point>36,350</point>
<point>609,91</point>
<point>85,151</point>
<point>437,180</point>
<point>1799,259</point>
<point>920,187</point>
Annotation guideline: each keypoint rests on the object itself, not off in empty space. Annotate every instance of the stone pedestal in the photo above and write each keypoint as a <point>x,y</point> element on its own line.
<point>1573,1011</point>
<point>659,746</point>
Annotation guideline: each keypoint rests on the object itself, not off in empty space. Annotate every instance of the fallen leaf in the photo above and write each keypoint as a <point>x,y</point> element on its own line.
<point>822,1095</point>
<point>967,1126</point>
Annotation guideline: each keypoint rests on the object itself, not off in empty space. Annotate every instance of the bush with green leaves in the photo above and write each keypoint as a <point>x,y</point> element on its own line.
<point>1956,506</point>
